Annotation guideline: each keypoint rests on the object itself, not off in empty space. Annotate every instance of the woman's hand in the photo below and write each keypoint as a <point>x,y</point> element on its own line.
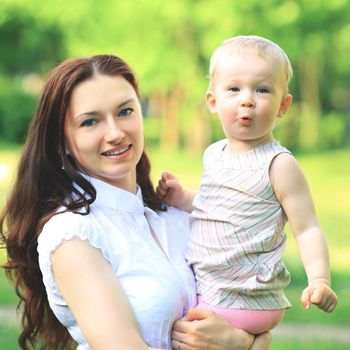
<point>203,329</point>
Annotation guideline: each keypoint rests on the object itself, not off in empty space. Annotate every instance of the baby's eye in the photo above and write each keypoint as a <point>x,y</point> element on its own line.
<point>234,88</point>
<point>263,90</point>
<point>125,112</point>
<point>89,122</point>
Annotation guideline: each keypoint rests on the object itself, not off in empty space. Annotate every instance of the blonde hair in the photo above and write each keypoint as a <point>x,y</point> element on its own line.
<point>250,44</point>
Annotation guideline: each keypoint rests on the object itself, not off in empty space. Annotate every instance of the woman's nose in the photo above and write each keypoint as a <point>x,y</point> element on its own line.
<point>113,133</point>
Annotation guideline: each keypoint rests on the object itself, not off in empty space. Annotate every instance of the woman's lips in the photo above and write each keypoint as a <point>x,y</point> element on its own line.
<point>115,152</point>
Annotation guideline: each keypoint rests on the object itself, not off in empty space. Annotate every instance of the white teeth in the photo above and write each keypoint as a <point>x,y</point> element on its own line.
<point>116,152</point>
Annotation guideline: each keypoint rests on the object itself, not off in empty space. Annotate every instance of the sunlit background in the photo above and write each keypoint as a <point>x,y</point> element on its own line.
<point>169,44</point>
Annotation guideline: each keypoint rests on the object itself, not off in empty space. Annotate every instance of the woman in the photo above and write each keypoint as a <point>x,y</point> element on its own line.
<point>93,253</point>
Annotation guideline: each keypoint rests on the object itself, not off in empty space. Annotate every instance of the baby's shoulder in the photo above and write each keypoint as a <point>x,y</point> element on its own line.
<point>215,147</point>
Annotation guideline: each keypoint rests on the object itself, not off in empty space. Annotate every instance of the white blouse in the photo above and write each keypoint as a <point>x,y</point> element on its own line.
<point>160,288</point>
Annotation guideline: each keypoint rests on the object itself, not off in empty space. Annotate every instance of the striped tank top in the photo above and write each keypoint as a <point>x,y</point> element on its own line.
<point>237,231</point>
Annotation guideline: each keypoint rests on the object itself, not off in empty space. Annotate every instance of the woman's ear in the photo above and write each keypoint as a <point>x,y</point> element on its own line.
<point>66,148</point>
<point>285,104</point>
<point>211,101</point>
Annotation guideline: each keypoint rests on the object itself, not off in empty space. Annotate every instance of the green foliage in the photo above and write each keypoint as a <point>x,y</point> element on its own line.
<point>152,131</point>
<point>16,110</point>
<point>27,44</point>
<point>169,45</point>
<point>332,129</point>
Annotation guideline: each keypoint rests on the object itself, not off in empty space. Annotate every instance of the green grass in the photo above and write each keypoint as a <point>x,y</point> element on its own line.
<point>7,294</point>
<point>8,337</point>
<point>297,314</point>
<point>328,175</point>
<point>299,344</point>
<point>8,161</point>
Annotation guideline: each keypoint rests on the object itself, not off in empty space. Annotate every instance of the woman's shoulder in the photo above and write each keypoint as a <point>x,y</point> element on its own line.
<point>65,225</point>
<point>66,220</point>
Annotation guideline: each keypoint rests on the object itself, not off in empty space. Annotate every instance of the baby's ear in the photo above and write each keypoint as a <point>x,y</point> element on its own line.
<point>211,101</point>
<point>285,104</point>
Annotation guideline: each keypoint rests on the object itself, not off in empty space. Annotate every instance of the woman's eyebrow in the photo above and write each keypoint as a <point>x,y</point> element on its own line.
<point>94,113</point>
<point>90,114</point>
<point>126,102</point>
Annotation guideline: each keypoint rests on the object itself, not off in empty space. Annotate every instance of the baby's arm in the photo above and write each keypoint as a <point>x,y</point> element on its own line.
<point>291,189</point>
<point>172,193</point>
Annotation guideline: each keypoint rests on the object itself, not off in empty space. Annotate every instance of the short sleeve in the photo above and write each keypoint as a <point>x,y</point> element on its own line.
<point>60,227</point>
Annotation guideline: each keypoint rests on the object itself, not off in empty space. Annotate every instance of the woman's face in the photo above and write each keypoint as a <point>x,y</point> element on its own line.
<point>104,130</point>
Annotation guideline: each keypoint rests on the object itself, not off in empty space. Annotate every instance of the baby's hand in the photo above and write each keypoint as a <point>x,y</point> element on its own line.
<point>320,294</point>
<point>170,190</point>
<point>172,193</point>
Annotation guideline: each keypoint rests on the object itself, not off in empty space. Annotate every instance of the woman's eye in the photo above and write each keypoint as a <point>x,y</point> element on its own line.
<point>263,90</point>
<point>234,89</point>
<point>88,122</point>
<point>125,112</point>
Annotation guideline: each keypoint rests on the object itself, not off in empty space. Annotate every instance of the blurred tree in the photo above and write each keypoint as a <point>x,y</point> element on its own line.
<point>29,46</point>
<point>169,45</point>
<point>16,111</point>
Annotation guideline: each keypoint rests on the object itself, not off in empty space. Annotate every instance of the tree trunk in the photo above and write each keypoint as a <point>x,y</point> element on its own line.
<point>347,122</point>
<point>198,135</point>
<point>170,119</point>
<point>310,102</point>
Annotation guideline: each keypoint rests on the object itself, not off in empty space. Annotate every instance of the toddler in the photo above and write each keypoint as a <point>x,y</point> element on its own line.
<point>250,186</point>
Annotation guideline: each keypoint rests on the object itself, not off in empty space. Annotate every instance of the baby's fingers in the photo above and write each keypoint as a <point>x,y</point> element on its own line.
<point>162,188</point>
<point>325,300</point>
<point>317,297</point>
<point>305,297</point>
<point>168,176</point>
<point>330,305</point>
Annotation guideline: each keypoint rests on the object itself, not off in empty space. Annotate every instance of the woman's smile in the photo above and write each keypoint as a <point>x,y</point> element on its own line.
<point>104,130</point>
<point>117,152</point>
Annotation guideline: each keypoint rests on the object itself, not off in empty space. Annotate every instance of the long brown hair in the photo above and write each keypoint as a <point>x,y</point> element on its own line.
<point>45,181</point>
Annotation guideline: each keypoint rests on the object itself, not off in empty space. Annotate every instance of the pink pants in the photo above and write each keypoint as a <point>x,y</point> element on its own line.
<point>252,321</point>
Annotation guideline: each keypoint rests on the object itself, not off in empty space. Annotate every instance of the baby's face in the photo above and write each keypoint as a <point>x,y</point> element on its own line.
<point>248,94</point>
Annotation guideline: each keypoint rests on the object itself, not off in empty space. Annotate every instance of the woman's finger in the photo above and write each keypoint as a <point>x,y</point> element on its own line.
<point>176,345</point>
<point>180,326</point>
<point>179,336</point>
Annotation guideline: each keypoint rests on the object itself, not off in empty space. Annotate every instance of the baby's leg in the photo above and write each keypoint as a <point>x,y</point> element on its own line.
<point>252,321</point>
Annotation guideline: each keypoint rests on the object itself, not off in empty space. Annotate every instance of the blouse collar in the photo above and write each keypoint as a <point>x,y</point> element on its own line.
<point>115,197</point>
